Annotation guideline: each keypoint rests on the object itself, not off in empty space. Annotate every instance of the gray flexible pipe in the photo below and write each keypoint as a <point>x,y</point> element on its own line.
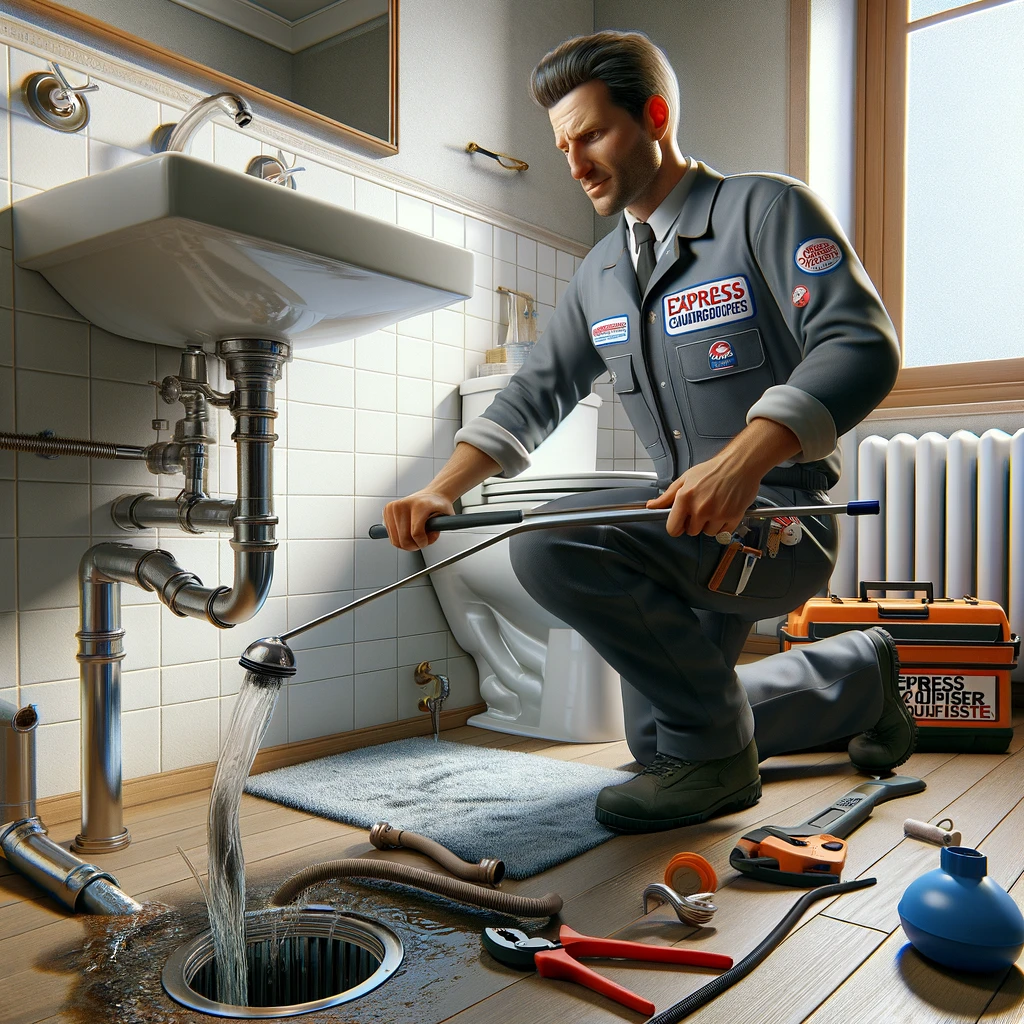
<point>716,986</point>
<point>453,888</point>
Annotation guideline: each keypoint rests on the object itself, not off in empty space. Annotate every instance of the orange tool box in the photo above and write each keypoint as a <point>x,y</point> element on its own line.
<point>955,659</point>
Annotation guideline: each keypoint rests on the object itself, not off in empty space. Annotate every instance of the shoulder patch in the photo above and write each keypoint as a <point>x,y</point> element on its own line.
<point>612,331</point>
<point>818,255</point>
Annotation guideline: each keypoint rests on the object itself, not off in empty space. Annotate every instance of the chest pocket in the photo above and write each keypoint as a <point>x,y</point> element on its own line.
<point>723,377</point>
<point>625,386</point>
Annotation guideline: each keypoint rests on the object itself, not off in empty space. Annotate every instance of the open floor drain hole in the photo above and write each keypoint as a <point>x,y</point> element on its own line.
<point>299,962</point>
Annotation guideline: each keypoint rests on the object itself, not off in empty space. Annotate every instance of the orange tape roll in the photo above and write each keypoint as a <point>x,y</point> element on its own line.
<point>690,873</point>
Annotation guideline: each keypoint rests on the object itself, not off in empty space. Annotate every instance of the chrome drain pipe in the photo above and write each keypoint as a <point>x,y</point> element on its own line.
<point>255,365</point>
<point>79,886</point>
<point>23,840</point>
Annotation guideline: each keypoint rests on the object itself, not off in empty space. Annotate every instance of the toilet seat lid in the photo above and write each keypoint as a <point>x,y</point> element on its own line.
<point>554,485</point>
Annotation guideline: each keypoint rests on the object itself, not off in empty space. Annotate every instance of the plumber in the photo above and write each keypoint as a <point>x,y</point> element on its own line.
<point>742,337</point>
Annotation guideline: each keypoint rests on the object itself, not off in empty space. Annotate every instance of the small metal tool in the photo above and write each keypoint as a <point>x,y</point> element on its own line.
<point>696,909</point>
<point>751,559</point>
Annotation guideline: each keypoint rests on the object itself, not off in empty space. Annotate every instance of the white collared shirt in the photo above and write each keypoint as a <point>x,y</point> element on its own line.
<point>664,217</point>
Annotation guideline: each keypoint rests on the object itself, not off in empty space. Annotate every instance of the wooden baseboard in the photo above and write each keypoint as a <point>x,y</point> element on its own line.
<point>758,643</point>
<point>67,806</point>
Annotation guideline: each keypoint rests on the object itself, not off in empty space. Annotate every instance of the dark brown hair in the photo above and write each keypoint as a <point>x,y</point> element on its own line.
<point>632,67</point>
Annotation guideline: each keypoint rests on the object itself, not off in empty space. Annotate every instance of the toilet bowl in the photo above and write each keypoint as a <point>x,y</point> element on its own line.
<point>538,676</point>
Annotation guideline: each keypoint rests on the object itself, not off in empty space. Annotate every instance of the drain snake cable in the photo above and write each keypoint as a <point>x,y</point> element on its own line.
<point>716,986</point>
<point>453,888</point>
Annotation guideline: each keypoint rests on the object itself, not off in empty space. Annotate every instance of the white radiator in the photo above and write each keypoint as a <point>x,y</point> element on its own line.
<point>952,514</point>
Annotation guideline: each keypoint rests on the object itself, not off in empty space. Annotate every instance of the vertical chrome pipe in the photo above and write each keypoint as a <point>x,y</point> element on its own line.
<point>255,365</point>
<point>17,761</point>
<point>100,653</point>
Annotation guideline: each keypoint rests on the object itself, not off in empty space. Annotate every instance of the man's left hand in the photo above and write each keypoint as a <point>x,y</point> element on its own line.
<point>713,496</point>
<point>710,498</point>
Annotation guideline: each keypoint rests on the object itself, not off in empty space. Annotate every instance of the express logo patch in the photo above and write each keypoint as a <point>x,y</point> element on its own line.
<point>613,331</point>
<point>721,355</point>
<point>801,296</point>
<point>818,255</point>
<point>708,305</point>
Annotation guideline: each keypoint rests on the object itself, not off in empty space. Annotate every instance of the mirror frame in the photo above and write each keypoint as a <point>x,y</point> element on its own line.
<point>112,41</point>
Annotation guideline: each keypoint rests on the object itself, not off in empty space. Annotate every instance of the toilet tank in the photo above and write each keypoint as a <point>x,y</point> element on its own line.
<point>572,448</point>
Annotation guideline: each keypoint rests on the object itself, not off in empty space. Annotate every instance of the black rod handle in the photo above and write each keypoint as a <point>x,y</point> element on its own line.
<point>508,517</point>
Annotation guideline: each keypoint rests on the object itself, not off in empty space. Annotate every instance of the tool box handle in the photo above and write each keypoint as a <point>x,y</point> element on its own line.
<point>887,585</point>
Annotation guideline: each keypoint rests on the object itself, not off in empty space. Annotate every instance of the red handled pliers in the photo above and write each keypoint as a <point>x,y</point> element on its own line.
<point>558,959</point>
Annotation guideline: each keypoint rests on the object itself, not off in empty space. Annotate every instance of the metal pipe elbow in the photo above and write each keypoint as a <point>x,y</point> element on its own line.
<point>227,606</point>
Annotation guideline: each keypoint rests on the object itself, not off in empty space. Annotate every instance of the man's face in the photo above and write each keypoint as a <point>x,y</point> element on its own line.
<point>611,155</point>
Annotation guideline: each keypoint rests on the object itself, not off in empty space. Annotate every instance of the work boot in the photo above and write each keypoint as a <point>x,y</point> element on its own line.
<point>893,737</point>
<point>671,792</point>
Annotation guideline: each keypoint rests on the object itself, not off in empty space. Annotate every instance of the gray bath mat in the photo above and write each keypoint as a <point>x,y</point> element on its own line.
<point>531,812</point>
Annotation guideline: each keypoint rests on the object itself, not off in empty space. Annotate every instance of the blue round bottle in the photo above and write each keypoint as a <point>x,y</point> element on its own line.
<point>959,917</point>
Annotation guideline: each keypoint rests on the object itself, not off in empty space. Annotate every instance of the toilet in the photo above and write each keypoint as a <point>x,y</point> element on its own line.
<point>538,676</point>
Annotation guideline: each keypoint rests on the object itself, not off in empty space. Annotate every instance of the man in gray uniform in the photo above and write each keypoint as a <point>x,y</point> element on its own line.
<point>742,336</point>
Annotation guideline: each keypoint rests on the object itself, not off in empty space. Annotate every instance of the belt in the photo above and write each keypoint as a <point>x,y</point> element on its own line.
<point>796,476</point>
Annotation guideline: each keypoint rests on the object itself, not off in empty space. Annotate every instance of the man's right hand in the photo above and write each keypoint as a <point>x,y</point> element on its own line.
<point>406,518</point>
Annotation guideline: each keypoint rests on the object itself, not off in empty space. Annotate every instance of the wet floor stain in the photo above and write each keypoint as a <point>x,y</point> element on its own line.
<point>118,963</point>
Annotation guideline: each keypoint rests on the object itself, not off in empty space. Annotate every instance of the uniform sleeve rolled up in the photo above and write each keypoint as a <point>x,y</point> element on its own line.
<point>850,354</point>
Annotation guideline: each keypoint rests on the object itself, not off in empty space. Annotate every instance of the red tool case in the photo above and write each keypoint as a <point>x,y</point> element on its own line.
<point>955,659</point>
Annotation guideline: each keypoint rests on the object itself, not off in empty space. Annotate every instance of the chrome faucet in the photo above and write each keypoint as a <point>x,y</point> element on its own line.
<point>177,138</point>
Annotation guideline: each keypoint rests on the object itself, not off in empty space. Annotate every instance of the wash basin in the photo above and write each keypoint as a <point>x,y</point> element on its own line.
<point>173,249</point>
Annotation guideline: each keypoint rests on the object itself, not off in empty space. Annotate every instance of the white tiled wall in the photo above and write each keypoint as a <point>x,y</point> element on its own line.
<point>360,422</point>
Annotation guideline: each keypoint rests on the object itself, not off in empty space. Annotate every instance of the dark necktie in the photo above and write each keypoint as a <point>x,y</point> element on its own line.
<point>643,235</point>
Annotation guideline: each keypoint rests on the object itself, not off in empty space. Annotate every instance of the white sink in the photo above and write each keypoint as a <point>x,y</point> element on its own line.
<point>173,249</point>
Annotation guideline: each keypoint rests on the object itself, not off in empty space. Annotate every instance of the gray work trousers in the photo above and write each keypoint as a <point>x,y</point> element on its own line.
<point>640,598</point>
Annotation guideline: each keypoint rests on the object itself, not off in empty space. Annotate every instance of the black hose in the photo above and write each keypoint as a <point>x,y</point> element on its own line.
<point>716,986</point>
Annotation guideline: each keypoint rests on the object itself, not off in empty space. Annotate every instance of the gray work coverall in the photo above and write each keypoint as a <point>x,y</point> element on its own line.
<point>759,308</point>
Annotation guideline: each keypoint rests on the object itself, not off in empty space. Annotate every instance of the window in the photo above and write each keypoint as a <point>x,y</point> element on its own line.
<point>941,191</point>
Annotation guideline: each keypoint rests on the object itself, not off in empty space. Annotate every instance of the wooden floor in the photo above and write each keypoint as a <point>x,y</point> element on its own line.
<point>848,961</point>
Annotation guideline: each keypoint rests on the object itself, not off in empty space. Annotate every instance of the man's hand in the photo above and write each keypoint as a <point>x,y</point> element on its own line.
<point>406,519</point>
<point>712,496</point>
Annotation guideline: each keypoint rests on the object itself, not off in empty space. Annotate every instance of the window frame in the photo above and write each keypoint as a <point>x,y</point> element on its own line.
<point>883,31</point>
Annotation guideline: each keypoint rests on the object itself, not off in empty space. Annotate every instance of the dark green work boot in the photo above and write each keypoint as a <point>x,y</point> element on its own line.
<point>671,792</point>
<point>891,740</point>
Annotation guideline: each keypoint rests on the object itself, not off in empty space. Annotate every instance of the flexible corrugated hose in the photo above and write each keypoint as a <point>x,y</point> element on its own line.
<point>716,986</point>
<point>453,888</point>
<point>36,445</point>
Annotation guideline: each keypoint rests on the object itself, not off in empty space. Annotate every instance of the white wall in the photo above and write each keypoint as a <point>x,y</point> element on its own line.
<point>732,61</point>
<point>464,71</point>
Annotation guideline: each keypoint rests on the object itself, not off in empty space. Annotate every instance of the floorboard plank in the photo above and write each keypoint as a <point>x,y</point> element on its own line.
<point>977,812</point>
<point>896,983</point>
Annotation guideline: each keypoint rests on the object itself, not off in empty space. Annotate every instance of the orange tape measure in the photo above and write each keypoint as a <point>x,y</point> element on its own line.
<point>690,873</point>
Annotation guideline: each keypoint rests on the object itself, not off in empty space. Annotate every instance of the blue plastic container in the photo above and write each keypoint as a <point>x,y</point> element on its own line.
<point>957,916</point>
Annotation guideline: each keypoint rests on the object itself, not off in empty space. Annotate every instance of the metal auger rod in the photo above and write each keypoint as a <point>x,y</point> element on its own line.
<point>600,516</point>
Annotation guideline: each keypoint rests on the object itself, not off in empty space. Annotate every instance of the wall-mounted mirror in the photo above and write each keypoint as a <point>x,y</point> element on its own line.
<point>332,63</point>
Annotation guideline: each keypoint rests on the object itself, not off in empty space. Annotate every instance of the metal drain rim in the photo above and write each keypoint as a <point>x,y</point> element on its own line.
<point>186,961</point>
